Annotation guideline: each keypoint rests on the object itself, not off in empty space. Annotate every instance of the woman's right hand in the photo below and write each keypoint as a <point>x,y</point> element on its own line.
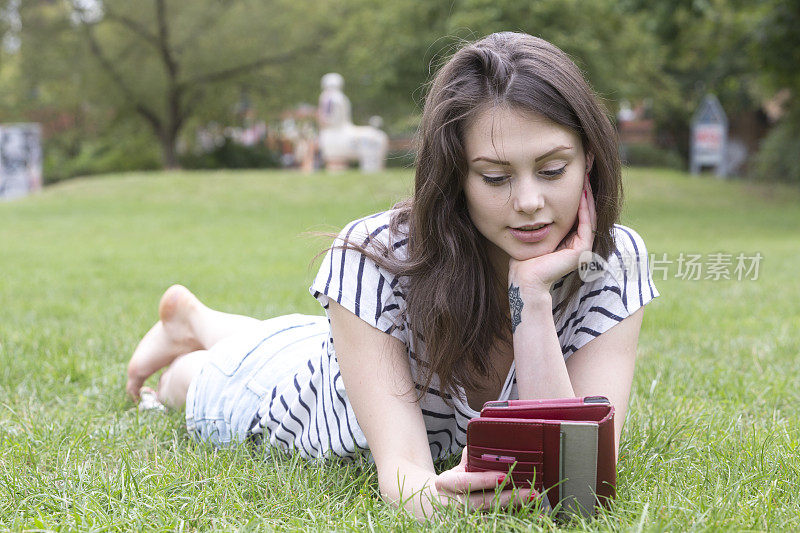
<point>478,489</point>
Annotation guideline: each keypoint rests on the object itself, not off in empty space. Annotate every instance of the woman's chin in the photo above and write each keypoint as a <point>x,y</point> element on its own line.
<point>525,251</point>
<point>522,256</point>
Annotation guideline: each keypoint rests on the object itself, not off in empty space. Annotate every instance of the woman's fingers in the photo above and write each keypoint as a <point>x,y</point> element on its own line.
<point>585,227</point>
<point>462,465</point>
<point>458,482</point>
<point>503,498</point>
<point>464,458</point>
<point>592,207</point>
<point>485,500</point>
<point>480,490</point>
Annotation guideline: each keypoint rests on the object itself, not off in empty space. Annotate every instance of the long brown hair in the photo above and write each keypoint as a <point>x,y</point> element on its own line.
<point>455,303</point>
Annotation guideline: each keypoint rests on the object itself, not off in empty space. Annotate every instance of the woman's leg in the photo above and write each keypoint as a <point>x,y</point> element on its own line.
<point>174,382</point>
<point>185,325</point>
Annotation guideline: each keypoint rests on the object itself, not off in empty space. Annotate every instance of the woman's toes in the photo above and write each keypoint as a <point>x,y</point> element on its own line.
<point>149,400</point>
<point>132,388</point>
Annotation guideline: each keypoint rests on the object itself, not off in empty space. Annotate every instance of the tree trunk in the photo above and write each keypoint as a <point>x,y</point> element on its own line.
<point>169,155</point>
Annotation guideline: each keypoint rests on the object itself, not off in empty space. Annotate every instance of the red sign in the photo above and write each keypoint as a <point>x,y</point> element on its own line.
<point>708,137</point>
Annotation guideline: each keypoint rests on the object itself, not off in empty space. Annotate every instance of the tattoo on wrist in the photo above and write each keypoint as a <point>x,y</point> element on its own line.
<point>515,301</point>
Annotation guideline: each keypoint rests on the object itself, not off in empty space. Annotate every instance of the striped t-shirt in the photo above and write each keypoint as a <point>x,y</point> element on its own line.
<point>309,412</point>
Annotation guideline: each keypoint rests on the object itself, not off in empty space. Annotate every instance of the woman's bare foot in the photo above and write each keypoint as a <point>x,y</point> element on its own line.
<point>169,338</point>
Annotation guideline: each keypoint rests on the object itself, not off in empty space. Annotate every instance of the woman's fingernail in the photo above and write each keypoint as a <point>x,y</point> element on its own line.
<point>501,478</point>
<point>585,194</point>
<point>533,495</point>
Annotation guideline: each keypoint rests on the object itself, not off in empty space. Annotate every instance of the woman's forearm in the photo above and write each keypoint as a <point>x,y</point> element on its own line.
<point>540,367</point>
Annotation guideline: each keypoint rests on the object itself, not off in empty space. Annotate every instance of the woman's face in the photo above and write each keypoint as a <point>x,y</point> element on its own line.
<point>523,171</point>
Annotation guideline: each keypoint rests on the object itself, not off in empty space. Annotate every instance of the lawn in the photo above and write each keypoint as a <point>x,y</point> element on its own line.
<point>711,441</point>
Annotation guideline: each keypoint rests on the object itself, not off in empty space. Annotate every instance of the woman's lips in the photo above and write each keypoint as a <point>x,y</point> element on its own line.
<point>530,235</point>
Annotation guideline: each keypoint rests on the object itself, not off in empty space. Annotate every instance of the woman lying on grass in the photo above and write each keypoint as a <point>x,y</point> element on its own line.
<point>517,174</point>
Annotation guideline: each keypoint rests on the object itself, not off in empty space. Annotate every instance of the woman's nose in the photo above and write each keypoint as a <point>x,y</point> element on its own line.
<point>528,197</point>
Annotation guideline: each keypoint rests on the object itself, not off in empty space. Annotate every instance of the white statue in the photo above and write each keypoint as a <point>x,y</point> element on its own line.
<point>339,140</point>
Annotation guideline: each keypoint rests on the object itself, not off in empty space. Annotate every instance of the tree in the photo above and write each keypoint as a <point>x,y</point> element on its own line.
<point>605,41</point>
<point>163,59</point>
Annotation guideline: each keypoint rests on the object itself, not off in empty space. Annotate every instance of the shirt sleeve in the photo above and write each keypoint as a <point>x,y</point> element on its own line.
<point>357,283</point>
<point>612,294</point>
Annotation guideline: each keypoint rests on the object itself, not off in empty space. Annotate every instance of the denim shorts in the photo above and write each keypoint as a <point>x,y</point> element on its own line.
<point>242,370</point>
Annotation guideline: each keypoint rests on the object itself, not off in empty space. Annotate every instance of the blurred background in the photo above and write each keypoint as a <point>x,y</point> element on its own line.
<point>115,85</point>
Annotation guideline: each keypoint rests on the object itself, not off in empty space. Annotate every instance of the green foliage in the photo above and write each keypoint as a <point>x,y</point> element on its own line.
<point>232,155</point>
<point>646,155</point>
<point>778,51</point>
<point>101,155</point>
<point>777,158</point>
<point>49,71</point>
<point>711,441</point>
<point>778,45</point>
<point>619,60</point>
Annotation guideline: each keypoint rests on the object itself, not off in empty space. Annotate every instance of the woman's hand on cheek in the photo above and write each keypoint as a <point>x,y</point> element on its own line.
<point>538,274</point>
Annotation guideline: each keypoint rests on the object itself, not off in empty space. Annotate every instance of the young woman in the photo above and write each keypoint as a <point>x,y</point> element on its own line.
<point>467,292</point>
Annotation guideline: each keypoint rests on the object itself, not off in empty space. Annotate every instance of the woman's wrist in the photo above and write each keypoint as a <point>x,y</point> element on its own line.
<point>527,301</point>
<point>537,297</point>
<point>412,488</point>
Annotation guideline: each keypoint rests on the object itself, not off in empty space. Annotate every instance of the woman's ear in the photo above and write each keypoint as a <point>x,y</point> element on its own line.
<point>589,161</point>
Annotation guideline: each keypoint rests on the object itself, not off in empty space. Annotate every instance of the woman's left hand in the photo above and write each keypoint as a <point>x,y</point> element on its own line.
<point>538,274</point>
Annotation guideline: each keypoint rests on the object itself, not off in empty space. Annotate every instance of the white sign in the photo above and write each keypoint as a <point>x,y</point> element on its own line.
<point>20,160</point>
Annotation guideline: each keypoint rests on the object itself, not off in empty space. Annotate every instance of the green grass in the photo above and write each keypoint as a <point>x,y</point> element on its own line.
<point>711,441</point>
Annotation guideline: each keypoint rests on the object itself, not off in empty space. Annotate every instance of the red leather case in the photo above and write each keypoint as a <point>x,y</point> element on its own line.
<point>562,446</point>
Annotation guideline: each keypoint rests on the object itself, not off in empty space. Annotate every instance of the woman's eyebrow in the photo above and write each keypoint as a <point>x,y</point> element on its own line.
<point>551,152</point>
<point>546,154</point>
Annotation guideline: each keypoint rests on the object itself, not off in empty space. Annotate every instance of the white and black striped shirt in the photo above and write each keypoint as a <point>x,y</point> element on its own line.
<point>310,413</point>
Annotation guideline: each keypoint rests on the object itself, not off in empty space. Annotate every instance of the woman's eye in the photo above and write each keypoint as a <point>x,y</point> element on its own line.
<point>494,179</point>
<point>554,173</point>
